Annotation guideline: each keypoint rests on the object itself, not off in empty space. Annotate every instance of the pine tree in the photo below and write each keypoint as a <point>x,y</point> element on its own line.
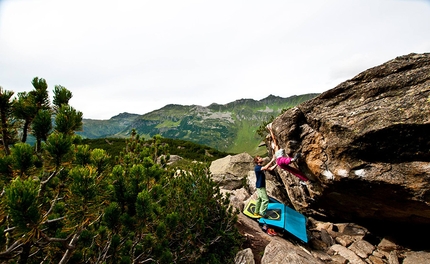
<point>41,126</point>
<point>76,205</point>
<point>24,108</point>
<point>5,113</point>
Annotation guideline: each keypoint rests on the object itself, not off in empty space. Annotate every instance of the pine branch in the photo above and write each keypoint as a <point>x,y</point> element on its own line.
<point>51,176</point>
<point>53,202</point>
<point>8,254</point>
<point>103,254</point>
<point>70,247</point>
<point>148,260</point>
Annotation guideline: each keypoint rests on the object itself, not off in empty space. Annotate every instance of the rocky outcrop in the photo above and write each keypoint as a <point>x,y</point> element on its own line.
<point>328,242</point>
<point>228,171</point>
<point>365,146</point>
<point>244,256</point>
<point>171,159</point>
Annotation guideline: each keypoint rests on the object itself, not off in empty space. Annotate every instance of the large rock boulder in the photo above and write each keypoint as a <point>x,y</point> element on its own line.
<point>328,242</point>
<point>235,175</point>
<point>366,147</point>
<point>230,171</point>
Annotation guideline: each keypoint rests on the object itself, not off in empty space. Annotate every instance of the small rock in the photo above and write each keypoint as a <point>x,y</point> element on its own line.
<point>379,254</point>
<point>346,253</point>
<point>244,257</point>
<point>376,260</point>
<point>344,240</point>
<point>386,245</point>
<point>392,258</point>
<point>281,251</point>
<point>318,244</point>
<point>362,248</point>
<point>338,259</point>
<point>326,238</point>
<point>419,257</point>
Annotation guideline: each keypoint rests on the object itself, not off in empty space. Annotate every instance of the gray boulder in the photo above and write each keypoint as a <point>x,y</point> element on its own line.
<point>229,171</point>
<point>365,146</point>
<point>244,256</point>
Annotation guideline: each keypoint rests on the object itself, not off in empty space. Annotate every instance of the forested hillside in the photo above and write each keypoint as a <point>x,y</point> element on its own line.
<point>185,149</point>
<point>231,127</point>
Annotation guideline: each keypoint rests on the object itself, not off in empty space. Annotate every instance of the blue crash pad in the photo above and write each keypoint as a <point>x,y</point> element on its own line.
<point>281,216</point>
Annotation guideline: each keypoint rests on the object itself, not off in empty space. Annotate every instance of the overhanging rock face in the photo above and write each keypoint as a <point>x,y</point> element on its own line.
<point>366,144</point>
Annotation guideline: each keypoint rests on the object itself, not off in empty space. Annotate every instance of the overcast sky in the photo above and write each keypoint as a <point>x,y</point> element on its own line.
<point>138,56</point>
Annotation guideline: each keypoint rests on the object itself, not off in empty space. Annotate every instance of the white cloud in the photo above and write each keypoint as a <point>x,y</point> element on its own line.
<point>137,56</point>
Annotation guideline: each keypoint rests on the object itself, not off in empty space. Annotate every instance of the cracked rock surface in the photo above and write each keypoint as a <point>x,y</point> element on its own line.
<point>365,145</point>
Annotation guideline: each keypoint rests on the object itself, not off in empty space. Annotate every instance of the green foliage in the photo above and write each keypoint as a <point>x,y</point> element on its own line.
<point>246,139</point>
<point>21,202</point>
<point>68,120</point>
<point>58,145</point>
<point>198,215</point>
<point>229,128</point>
<point>42,124</point>
<point>5,168</point>
<point>22,157</point>
<point>186,149</point>
<point>83,183</point>
<point>262,130</point>
<point>78,205</point>
<point>5,123</point>
<point>112,215</point>
<point>61,96</point>
<point>24,105</point>
<point>40,93</point>
<point>113,146</point>
<point>83,155</point>
<point>100,159</point>
<point>193,151</point>
<point>24,108</point>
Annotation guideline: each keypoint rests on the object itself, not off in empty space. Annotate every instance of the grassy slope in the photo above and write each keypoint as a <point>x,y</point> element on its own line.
<point>247,140</point>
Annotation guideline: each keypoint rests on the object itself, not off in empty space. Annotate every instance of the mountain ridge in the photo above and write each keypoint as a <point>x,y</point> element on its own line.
<point>227,127</point>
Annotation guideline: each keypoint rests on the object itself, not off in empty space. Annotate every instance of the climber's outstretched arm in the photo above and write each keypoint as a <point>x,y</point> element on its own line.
<point>275,145</point>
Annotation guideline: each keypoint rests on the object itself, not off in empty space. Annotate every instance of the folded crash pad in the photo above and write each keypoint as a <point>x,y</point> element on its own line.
<point>281,216</point>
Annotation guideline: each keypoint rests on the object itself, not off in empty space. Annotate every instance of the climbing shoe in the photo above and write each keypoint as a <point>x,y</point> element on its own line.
<point>296,157</point>
<point>271,232</point>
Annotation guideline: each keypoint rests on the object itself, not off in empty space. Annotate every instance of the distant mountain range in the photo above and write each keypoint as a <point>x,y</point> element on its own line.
<point>230,127</point>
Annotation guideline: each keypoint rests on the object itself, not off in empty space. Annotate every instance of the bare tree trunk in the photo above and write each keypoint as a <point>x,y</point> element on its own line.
<point>25,131</point>
<point>4,134</point>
